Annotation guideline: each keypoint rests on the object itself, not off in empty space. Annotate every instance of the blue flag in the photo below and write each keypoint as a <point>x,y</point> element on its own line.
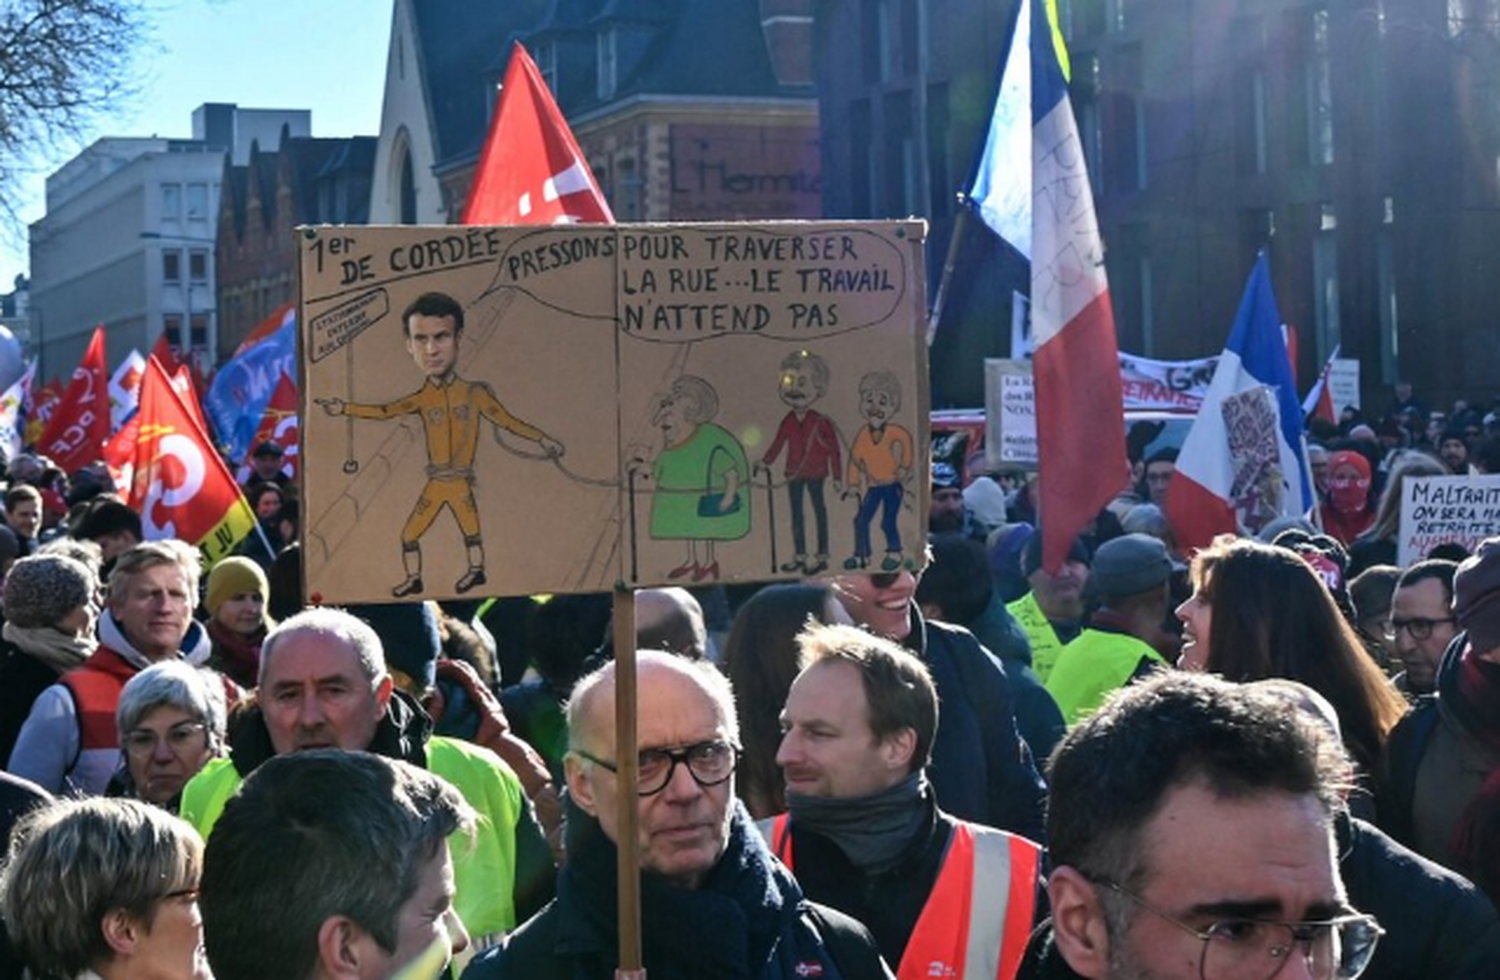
<point>236,401</point>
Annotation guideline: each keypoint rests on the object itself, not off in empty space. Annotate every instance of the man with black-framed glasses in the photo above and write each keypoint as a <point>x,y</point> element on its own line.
<point>1421,624</point>
<point>1191,830</point>
<point>714,903</point>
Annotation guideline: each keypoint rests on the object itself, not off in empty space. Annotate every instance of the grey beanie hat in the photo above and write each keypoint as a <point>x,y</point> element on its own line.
<point>1130,564</point>
<point>42,589</point>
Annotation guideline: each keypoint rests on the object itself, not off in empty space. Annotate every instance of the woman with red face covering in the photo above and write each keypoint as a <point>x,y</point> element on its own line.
<point>1348,512</point>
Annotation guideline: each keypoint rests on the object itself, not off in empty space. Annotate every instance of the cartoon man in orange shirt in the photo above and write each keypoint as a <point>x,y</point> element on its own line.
<point>451,410</point>
<point>880,460</point>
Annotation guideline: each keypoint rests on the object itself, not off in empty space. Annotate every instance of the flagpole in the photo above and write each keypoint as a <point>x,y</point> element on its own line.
<point>949,263</point>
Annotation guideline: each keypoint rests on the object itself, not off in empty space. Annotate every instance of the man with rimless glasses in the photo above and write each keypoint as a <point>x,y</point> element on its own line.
<point>713,901</point>
<point>1191,827</point>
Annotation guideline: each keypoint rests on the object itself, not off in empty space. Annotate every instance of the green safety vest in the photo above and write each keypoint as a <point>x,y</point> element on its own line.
<point>1092,666</point>
<point>484,871</point>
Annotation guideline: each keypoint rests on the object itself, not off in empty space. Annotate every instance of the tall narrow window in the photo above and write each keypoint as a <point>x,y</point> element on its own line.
<point>198,266</point>
<point>1085,93</point>
<point>1326,282</point>
<point>1319,83</point>
<point>171,266</point>
<point>900,173</point>
<point>171,202</point>
<point>938,128</point>
<point>197,202</point>
<point>1130,121</point>
<point>861,160</point>
<point>408,186</point>
<point>1385,278</point>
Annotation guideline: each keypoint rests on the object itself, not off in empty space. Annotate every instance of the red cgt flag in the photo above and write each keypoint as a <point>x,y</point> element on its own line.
<point>42,402</point>
<point>279,424</point>
<point>531,171</point>
<point>178,483</point>
<point>163,352</point>
<point>79,426</point>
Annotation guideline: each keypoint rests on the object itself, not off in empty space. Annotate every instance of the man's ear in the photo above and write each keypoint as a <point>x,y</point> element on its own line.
<point>121,931</point>
<point>1078,924</point>
<point>345,950</point>
<point>897,749</point>
<point>383,691</point>
<point>579,788</point>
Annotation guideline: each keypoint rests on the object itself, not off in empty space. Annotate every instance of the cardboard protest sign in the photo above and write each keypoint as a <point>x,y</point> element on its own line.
<point>500,411</point>
<point>1438,509</point>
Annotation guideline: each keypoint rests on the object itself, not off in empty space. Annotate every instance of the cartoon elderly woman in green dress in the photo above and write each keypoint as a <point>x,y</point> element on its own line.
<point>702,478</point>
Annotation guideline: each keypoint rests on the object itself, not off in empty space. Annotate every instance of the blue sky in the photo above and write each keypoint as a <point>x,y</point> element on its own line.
<point>323,55</point>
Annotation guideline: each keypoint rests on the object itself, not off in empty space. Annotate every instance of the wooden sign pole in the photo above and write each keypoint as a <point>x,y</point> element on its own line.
<point>626,780</point>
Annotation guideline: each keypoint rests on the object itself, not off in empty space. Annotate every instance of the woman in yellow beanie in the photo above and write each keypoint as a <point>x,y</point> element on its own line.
<point>237,622</point>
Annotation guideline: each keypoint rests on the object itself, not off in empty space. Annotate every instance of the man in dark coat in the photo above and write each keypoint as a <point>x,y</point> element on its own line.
<point>713,902</point>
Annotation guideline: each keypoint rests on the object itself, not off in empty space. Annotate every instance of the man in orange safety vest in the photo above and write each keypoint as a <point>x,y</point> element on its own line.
<point>943,897</point>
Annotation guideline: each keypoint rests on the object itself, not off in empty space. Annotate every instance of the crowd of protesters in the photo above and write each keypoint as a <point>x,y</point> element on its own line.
<point>1282,751</point>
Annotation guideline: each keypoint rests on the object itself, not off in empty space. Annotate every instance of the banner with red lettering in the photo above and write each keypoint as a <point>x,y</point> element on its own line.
<point>80,424</point>
<point>177,481</point>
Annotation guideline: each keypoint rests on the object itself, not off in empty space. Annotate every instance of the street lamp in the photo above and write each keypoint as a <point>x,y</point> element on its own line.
<point>210,315</point>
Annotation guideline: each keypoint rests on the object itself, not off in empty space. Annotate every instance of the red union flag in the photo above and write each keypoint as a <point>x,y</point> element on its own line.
<point>531,171</point>
<point>279,425</point>
<point>178,483</point>
<point>79,426</point>
<point>40,405</point>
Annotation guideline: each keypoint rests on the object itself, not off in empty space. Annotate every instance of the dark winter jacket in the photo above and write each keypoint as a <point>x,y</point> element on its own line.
<point>1436,923</point>
<point>981,770</point>
<point>746,921</point>
<point>1038,718</point>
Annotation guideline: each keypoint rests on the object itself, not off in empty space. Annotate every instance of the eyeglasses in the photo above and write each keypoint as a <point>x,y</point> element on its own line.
<point>1251,949</point>
<point>181,738</point>
<point>1419,628</point>
<point>710,763</point>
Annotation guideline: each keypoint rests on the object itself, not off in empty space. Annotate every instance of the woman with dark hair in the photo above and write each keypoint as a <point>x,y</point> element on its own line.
<point>1259,611</point>
<point>761,659</point>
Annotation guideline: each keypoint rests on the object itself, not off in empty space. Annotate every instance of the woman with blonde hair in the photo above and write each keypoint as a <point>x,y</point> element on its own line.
<point>129,910</point>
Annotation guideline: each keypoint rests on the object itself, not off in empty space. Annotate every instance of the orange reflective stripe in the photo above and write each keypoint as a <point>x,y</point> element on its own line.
<point>978,917</point>
<point>778,834</point>
<point>939,940</point>
<point>1020,910</point>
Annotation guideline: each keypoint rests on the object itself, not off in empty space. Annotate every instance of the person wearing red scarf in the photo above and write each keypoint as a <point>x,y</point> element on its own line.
<point>1348,513</point>
<point>1443,759</point>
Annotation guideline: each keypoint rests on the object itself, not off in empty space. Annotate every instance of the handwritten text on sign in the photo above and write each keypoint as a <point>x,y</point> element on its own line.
<point>1438,509</point>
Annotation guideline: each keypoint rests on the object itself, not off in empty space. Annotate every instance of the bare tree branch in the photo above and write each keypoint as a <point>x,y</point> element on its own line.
<point>63,65</point>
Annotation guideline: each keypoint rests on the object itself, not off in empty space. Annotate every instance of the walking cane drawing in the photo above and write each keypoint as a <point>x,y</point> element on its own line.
<point>771,515</point>
<point>351,465</point>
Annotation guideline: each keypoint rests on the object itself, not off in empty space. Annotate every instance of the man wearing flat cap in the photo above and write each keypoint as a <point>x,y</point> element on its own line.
<point>1052,612</point>
<point>1131,576</point>
<point>1443,759</point>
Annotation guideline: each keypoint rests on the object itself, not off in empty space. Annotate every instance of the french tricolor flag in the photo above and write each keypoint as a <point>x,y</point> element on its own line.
<point>1079,403</point>
<point>1241,465</point>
